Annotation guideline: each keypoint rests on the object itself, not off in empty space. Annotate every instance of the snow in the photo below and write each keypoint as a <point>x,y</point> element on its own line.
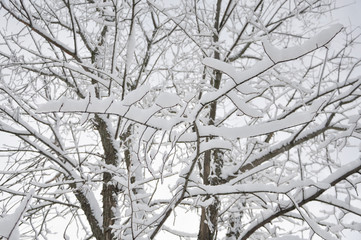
<point>246,89</point>
<point>341,204</point>
<point>184,234</point>
<point>237,76</point>
<point>316,105</point>
<point>120,108</point>
<point>258,129</point>
<point>313,224</point>
<point>126,108</point>
<point>321,39</point>
<point>130,48</point>
<point>309,193</point>
<point>137,94</point>
<point>163,146</point>
<point>288,237</point>
<point>214,144</point>
<point>275,56</point>
<point>221,66</point>
<point>130,109</point>
<point>228,171</point>
<point>83,72</point>
<point>353,119</point>
<point>166,100</point>
<point>97,212</point>
<point>292,120</point>
<point>142,115</point>
<point>9,224</point>
<point>251,188</point>
<point>243,106</point>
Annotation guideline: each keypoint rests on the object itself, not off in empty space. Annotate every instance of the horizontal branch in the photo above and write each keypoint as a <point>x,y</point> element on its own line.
<point>309,195</point>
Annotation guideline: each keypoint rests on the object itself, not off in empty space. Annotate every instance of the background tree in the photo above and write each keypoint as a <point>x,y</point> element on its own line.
<point>239,107</point>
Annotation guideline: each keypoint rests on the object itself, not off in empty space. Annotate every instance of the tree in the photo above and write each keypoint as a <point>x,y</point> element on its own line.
<point>239,107</point>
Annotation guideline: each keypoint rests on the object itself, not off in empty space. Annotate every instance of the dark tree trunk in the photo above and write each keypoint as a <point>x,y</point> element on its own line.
<point>109,191</point>
<point>209,215</point>
<point>109,203</point>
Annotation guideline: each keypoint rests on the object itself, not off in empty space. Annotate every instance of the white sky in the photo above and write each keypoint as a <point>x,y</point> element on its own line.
<point>350,14</point>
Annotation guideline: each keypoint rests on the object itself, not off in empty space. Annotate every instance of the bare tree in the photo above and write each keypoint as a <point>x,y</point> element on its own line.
<point>241,108</point>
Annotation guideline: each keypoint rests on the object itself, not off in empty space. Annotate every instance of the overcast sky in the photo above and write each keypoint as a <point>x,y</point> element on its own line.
<point>349,14</point>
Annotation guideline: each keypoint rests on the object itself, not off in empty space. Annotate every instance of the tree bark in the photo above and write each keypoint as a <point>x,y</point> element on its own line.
<point>209,215</point>
<point>109,191</point>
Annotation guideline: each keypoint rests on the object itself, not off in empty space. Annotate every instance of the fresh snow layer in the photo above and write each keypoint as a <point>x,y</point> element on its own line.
<point>258,129</point>
<point>9,224</point>
<point>275,56</point>
<point>321,39</point>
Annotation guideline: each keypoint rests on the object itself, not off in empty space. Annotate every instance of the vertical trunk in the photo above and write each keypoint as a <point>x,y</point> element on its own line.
<point>208,226</point>
<point>109,191</point>
<point>209,215</point>
<point>109,204</point>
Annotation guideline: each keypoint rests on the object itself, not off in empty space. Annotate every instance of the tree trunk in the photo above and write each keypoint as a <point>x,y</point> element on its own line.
<point>109,191</point>
<point>109,203</point>
<point>209,215</point>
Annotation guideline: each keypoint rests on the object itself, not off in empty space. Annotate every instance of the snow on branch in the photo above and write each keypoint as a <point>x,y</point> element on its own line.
<point>258,129</point>
<point>321,39</point>
<point>9,223</point>
<point>292,120</point>
<point>310,194</point>
<point>226,189</point>
<point>243,106</point>
<point>215,144</point>
<point>275,56</point>
<point>126,108</point>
